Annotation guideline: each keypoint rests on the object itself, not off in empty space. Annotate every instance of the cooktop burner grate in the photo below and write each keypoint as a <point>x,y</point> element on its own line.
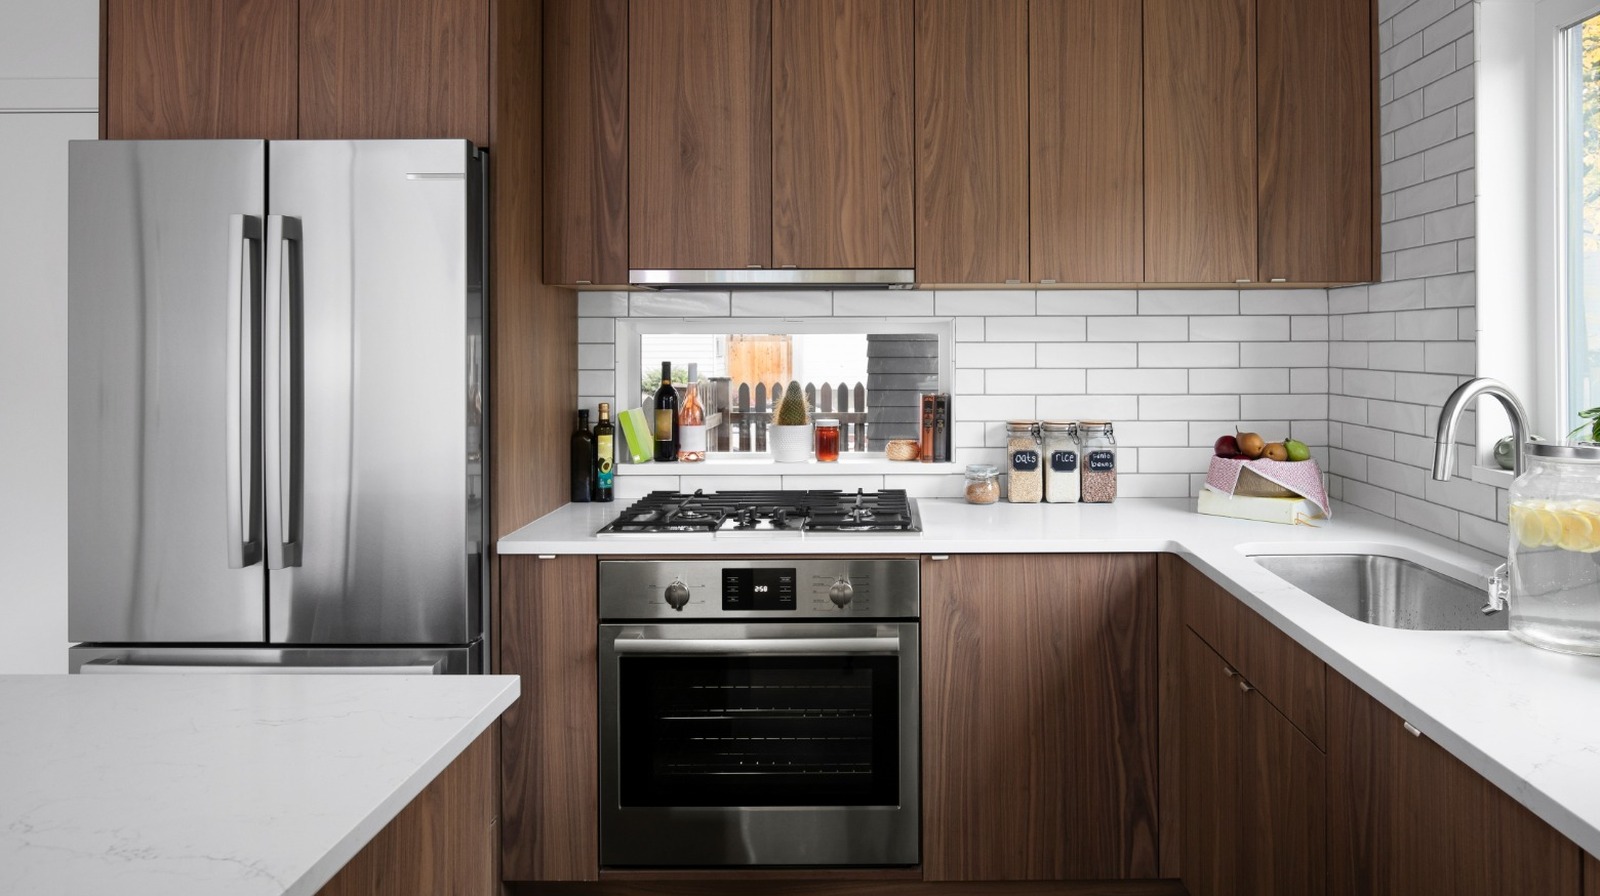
<point>768,513</point>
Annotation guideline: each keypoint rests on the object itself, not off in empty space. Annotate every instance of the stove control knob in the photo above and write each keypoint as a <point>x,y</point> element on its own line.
<point>841,592</point>
<point>677,594</point>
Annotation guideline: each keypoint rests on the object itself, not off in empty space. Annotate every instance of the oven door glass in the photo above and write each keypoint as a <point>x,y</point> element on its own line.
<point>786,730</point>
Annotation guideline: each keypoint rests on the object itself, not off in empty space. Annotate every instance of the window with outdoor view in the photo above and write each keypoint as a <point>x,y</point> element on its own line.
<point>1582,218</point>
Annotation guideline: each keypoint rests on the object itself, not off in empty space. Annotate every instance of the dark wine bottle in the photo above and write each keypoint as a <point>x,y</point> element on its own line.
<point>582,460</point>
<point>666,416</point>
<point>605,458</point>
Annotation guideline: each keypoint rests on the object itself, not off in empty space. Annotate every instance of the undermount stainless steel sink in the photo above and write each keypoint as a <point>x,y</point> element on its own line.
<point>1385,591</point>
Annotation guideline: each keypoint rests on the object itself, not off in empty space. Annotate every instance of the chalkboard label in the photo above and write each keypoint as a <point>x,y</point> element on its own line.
<point>1025,461</point>
<point>1102,461</point>
<point>1064,461</point>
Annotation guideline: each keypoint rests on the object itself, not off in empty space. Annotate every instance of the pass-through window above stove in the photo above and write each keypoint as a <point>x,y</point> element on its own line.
<point>736,513</point>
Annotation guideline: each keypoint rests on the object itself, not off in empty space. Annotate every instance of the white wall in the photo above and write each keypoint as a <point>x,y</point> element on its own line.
<point>48,69</point>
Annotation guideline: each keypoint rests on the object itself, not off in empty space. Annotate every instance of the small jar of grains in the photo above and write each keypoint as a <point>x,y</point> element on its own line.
<point>1099,462</point>
<point>983,483</point>
<point>1061,485</point>
<point>1024,472</point>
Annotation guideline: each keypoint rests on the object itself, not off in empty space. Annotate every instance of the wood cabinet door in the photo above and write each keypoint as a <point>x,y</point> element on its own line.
<point>1210,715</point>
<point>1283,805</point>
<point>1086,141</point>
<point>1039,717</point>
<point>385,69</point>
<point>1200,141</point>
<point>972,141</point>
<point>842,167</point>
<point>1289,676</point>
<point>585,138</point>
<point>1406,817</point>
<point>550,738</point>
<point>699,134</point>
<point>1316,104</point>
<point>199,69</point>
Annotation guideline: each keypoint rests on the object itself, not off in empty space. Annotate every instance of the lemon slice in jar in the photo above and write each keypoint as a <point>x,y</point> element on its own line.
<point>1525,525</point>
<point>1577,530</point>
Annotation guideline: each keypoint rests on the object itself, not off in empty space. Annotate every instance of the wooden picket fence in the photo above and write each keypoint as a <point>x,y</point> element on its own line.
<point>737,418</point>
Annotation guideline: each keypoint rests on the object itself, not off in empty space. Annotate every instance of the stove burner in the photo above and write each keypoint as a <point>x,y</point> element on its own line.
<point>768,513</point>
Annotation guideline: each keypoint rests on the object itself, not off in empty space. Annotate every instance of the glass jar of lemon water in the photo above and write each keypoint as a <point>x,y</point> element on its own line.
<point>1555,548</point>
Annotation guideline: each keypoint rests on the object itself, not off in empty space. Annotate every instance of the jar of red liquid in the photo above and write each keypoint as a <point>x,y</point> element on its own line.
<point>828,440</point>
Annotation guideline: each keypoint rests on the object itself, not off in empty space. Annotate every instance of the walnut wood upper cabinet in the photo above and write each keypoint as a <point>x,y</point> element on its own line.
<point>203,69</point>
<point>1086,141</point>
<point>842,166</point>
<point>380,69</point>
<point>699,134</point>
<point>972,141</point>
<point>1316,140</point>
<point>550,738</point>
<point>1406,817</point>
<point>1039,717</point>
<point>1200,141</point>
<point>584,133</point>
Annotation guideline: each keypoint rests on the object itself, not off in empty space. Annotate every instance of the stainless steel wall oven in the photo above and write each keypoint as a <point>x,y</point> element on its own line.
<point>759,712</point>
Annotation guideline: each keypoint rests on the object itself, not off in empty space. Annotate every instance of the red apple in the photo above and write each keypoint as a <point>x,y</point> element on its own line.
<point>1226,446</point>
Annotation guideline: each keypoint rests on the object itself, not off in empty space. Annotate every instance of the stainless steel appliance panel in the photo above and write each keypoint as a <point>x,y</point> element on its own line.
<point>660,836</point>
<point>371,332</point>
<point>831,588</point>
<point>164,507</point>
<point>91,659</point>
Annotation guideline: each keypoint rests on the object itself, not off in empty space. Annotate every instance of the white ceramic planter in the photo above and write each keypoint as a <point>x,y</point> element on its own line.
<point>789,444</point>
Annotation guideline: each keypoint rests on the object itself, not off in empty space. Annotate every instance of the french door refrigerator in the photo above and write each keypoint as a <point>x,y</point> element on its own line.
<point>276,391</point>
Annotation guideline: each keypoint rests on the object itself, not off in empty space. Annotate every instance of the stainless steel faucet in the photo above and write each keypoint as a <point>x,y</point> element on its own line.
<point>1444,446</point>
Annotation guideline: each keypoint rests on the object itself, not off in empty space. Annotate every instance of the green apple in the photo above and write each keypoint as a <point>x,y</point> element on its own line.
<point>1297,450</point>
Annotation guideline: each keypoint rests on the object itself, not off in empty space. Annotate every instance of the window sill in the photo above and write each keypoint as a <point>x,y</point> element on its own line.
<point>1492,476</point>
<point>763,464</point>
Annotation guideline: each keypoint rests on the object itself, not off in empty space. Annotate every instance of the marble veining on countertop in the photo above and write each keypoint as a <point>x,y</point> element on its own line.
<point>217,783</point>
<point>1523,717</point>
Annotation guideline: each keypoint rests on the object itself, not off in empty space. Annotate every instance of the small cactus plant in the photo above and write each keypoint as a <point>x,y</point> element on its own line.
<point>792,410</point>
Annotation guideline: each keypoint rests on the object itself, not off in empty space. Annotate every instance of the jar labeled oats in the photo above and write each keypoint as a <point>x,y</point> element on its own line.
<point>1099,462</point>
<point>983,483</point>
<point>1061,483</point>
<point>1024,466</point>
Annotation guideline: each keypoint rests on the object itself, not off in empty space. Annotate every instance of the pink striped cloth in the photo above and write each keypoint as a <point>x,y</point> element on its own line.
<point>1303,477</point>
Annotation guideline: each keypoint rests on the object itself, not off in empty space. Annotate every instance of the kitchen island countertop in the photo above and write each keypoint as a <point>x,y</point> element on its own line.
<point>1522,717</point>
<point>217,783</point>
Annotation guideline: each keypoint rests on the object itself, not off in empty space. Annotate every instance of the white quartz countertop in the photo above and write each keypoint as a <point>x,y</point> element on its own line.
<point>217,784</point>
<point>1524,718</point>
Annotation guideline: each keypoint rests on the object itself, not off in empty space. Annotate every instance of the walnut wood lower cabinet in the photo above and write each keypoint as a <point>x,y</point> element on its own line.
<point>444,841</point>
<point>1406,817</point>
<point>1039,717</point>
<point>550,739</point>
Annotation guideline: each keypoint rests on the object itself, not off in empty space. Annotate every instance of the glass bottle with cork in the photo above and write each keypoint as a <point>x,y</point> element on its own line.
<point>692,421</point>
<point>666,423</point>
<point>605,455</point>
<point>582,460</point>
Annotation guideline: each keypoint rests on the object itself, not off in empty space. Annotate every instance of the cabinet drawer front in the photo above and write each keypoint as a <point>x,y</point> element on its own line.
<point>1212,612</point>
<point>1288,675</point>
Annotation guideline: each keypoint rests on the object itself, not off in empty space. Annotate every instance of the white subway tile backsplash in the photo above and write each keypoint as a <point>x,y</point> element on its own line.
<point>1396,416</point>
<point>1035,329</point>
<point>1283,301</point>
<point>1285,406</point>
<point>782,304</point>
<point>1035,381</point>
<point>602,304</point>
<point>1186,354</point>
<point>1138,329</point>
<point>970,329</point>
<point>679,304</point>
<point>1188,301</point>
<point>995,354</point>
<point>1309,379</point>
<point>1283,354</point>
<point>1185,459</point>
<point>597,382</point>
<point>1089,407</point>
<point>1137,381</point>
<point>597,356</point>
<point>1308,328</point>
<point>1395,356</point>
<point>1238,380</point>
<point>1239,329</point>
<point>987,302</point>
<point>1087,302</point>
<point>1141,433</point>
<point>883,303</point>
<point>990,408</point>
<point>1188,407</point>
<point>597,329</point>
<point>1093,354</point>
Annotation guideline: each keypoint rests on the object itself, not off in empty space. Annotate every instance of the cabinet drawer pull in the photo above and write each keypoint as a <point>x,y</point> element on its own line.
<point>1410,728</point>
<point>1246,686</point>
<point>1243,280</point>
<point>1229,671</point>
<point>1280,279</point>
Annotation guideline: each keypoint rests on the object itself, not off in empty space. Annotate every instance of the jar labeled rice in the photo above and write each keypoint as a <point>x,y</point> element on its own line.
<point>1099,462</point>
<point>1061,485</point>
<point>1024,470</point>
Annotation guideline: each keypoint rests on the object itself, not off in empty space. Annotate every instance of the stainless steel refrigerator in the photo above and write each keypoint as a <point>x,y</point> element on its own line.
<point>276,421</point>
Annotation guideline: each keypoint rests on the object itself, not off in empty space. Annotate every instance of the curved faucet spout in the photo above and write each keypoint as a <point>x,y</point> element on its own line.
<point>1444,446</point>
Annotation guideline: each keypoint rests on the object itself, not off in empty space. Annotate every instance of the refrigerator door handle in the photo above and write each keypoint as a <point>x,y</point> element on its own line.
<point>244,390</point>
<point>114,667</point>
<point>284,400</point>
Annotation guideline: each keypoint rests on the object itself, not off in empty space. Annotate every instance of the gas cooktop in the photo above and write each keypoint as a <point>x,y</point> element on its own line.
<point>769,513</point>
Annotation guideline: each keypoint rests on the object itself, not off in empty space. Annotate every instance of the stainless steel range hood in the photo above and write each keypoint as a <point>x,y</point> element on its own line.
<point>773,278</point>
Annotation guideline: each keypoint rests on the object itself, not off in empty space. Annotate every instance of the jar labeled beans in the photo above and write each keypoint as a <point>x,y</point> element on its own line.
<point>1024,467</point>
<point>1099,462</point>
<point>1061,484</point>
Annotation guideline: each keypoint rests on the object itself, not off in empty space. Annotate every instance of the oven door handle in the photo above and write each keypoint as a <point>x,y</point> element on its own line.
<point>756,646</point>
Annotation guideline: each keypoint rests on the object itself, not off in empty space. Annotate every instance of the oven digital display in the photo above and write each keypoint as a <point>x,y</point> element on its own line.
<point>758,589</point>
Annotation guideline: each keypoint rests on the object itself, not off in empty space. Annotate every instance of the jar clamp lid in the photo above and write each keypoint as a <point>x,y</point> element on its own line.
<point>1583,451</point>
<point>982,471</point>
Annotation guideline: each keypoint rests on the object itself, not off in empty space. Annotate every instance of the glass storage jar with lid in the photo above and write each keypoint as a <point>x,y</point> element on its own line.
<point>1024,473</point>
<point>983,483</point>
<point>1099,462</point>
<point>1061,484</point>
<point>1554,579</point>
